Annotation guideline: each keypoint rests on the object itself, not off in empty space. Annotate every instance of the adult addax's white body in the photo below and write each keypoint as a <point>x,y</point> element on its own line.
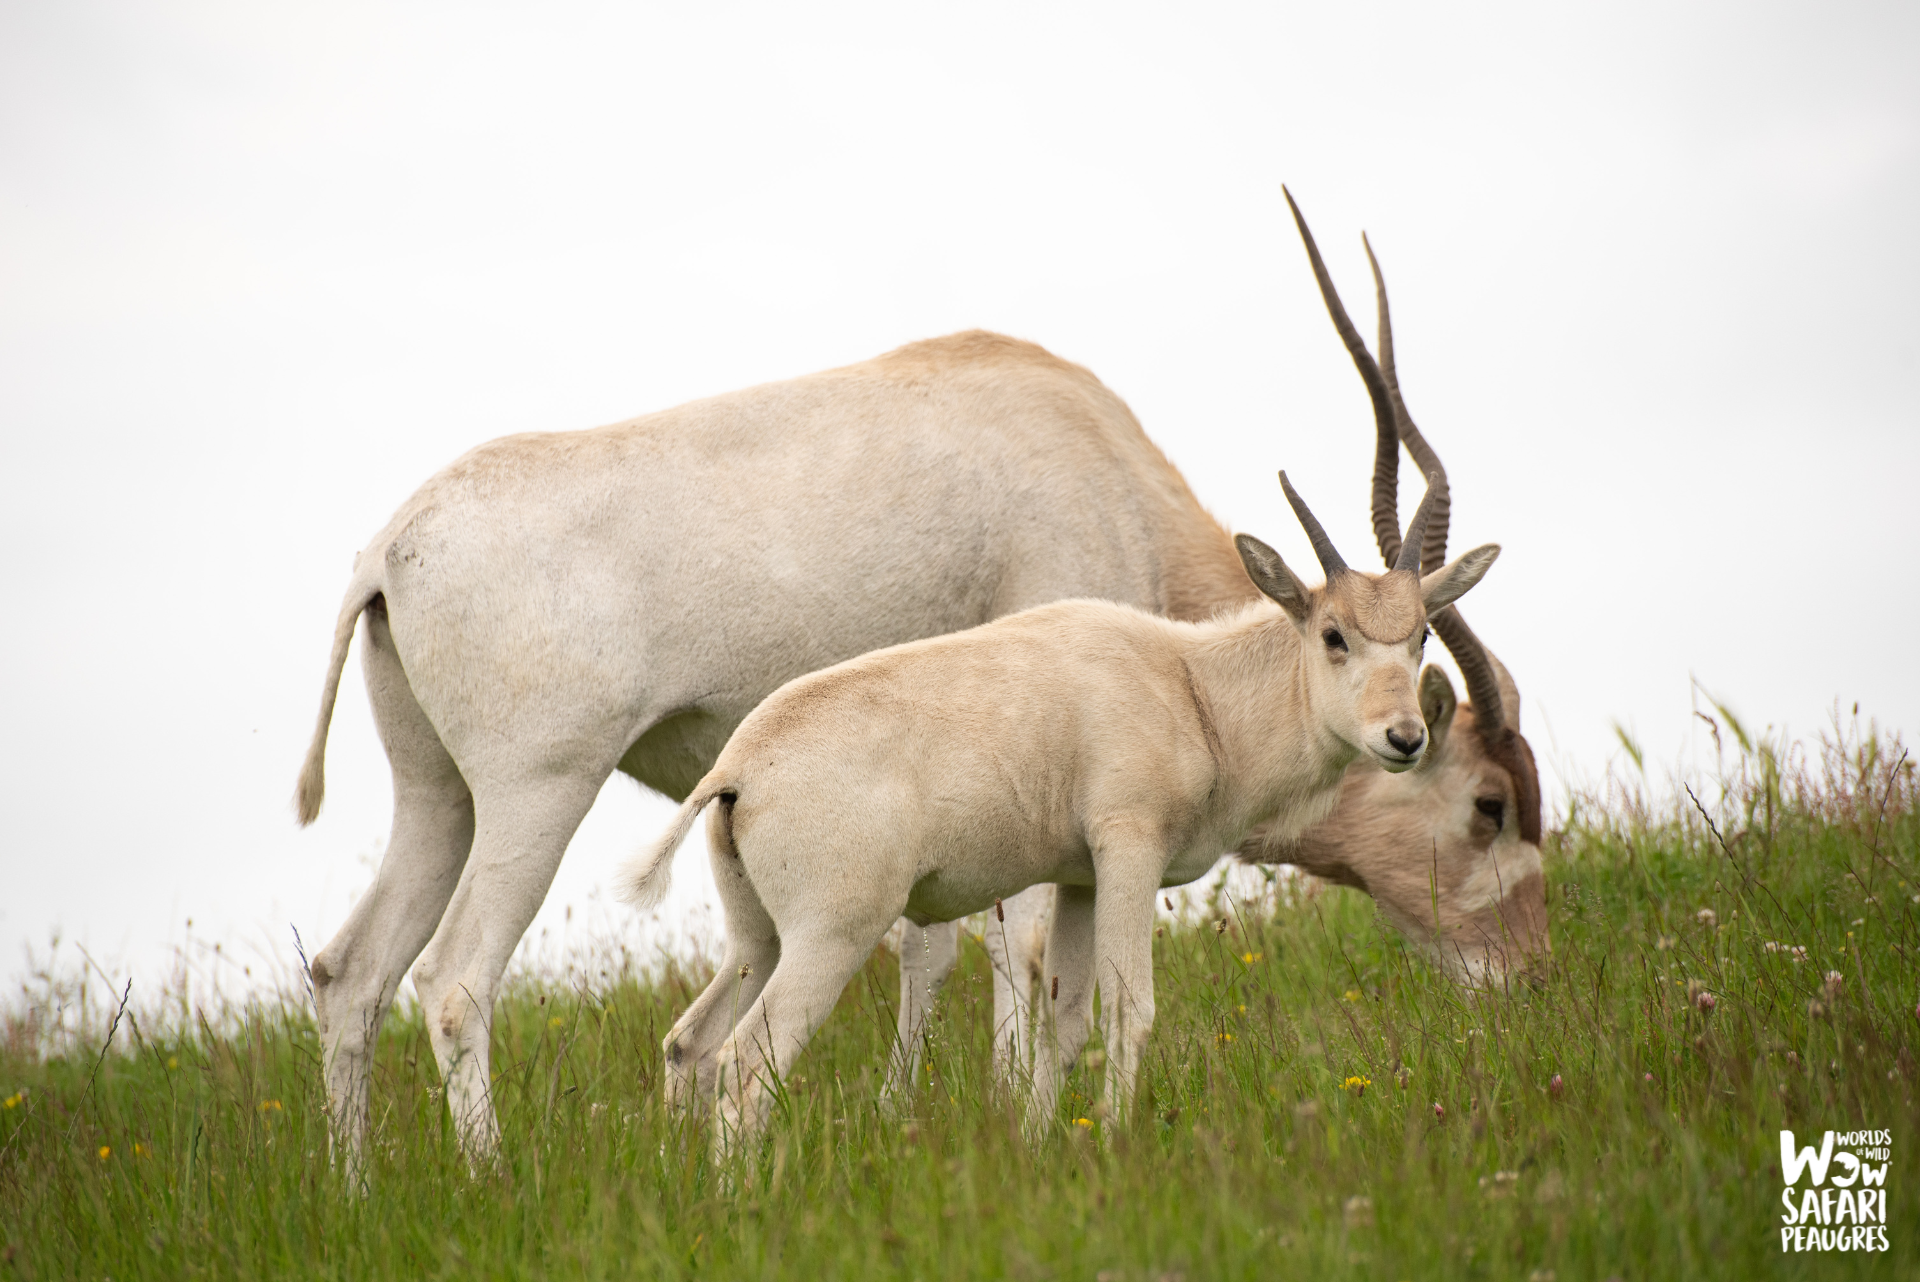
<point>1084,743</point>
<point>553,607</point>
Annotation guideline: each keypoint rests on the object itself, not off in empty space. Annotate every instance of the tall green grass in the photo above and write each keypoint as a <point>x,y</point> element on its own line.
<point>1320,1102</point>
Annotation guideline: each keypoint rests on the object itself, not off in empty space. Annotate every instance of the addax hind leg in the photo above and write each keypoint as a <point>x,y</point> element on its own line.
<point>815,966</point>
<point>356,975</point>
<point>752,952</point>
<point>523,825</point>
<point>927,957</point>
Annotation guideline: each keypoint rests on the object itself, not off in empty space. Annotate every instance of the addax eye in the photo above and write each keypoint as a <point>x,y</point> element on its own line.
<point>1333,639</point>
<point>1425,635</point>
<point>1493,808</point>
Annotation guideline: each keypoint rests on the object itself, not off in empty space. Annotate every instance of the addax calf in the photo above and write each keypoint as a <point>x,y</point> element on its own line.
<point>1083,743</point>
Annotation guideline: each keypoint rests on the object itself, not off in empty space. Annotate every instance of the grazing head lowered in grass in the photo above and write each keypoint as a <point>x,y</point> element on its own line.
<point>1083,743</point>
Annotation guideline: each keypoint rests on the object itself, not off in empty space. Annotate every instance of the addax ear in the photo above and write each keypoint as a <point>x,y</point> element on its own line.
<point>1450,582</point>
<point>1438,703</point>
<point>1271,575</point>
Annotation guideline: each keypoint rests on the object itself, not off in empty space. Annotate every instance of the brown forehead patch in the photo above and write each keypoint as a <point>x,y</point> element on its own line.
<point>1386,609</point>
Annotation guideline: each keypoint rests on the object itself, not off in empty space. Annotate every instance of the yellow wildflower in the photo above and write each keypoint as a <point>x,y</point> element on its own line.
<point>1224,1038</point>
<point>173,1061</point>
<point>271,1106</point>
<point>1352,994</point>
<point>12,1101</point>
<point>1358,1085</point>
<point>106,1151</point>
<point>141,1150</point>
<point>555,1022</point>
<point>1084,1122</point>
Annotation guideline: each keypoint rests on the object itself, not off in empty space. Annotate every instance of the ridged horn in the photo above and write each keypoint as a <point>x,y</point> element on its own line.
<point>1433,553</point>
<point>1330,561</point>
<point>1477,669</point>
<point>1409,559</point>
<point>1386,519</point>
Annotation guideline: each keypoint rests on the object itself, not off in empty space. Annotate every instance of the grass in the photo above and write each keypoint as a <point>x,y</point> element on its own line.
<point>1603,1124</point>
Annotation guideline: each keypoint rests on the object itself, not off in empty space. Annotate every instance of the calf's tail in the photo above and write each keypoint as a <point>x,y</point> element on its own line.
<point>643,880</point>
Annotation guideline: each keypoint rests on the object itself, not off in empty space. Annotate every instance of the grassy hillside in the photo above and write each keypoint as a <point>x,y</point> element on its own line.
<point>1320,1102</point>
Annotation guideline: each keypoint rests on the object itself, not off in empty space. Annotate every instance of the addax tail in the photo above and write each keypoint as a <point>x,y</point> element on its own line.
<point>643,880</point>
<point>312,788</point>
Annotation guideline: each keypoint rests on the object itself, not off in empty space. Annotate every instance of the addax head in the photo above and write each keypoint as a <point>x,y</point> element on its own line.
<point>1364,633</point>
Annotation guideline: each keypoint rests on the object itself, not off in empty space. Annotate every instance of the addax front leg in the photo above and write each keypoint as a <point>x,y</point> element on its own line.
<point>1123,953</point>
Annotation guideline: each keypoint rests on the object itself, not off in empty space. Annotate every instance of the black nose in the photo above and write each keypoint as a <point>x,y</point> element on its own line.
<point>1406,747</point>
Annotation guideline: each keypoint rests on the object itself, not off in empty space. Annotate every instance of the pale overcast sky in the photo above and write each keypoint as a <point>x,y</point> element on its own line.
<point>264,269</point>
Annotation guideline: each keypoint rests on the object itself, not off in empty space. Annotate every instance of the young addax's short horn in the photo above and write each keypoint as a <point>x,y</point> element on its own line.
<point>1330,560</point>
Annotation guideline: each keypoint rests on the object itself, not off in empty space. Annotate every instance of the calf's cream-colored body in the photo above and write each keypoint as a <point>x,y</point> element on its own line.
<point>1083,743</point>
